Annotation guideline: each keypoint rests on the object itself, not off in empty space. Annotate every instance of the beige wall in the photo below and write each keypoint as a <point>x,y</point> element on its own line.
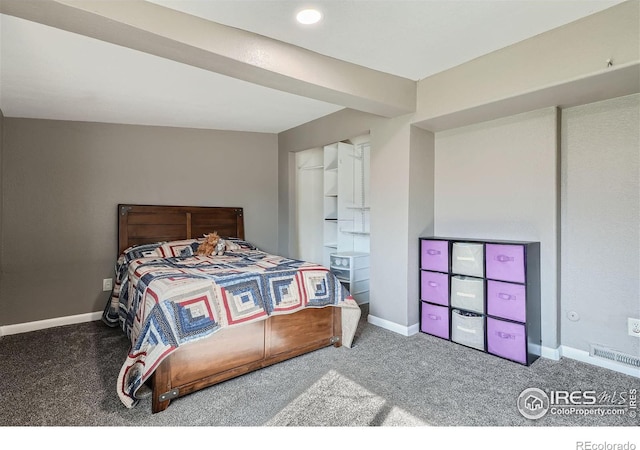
<point>401,187</point>
<point>601,223</point>
<point>309,205</point>
<point>422,167</point>
<point>521,77</point>
<point>520,88</point>
<point>344,124</point>
<point>499,180</point>
<point>401,210</point>
<point>58,177</point>
<point>390,268</point>
<point>63,180</point>
<point>1,183</point>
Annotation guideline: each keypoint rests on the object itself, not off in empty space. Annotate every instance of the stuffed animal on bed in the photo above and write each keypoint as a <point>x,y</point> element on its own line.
<point>221,246</point>
<point>210,245</point>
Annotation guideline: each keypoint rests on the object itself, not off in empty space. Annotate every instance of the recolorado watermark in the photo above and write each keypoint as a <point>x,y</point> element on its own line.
<point>534,403</point>
<point>588,445</point>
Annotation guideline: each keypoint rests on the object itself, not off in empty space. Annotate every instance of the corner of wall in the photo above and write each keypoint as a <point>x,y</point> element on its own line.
<point>1,203</point>
<point>1,183</point>
<point>558,224</point>
<point>421,220</point>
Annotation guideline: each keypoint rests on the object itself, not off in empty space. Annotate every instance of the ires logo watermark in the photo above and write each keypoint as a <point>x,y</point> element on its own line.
<point>534,403</point>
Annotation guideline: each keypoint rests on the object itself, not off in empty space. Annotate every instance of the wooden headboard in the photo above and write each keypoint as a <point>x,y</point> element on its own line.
<point>146,224</point>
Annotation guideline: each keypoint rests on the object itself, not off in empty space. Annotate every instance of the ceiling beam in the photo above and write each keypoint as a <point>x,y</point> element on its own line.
<point>229,51</point>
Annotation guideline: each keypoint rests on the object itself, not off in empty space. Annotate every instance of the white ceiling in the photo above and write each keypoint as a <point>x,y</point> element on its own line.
<point>53,74</point>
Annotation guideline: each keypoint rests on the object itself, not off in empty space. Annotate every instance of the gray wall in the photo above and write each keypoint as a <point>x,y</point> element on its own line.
<point>1,183</point>
<point>499,180</point>
<point>1,190</point>
<point>390,268</point>
<point>401,211</point>
<point>63,180</point>
<point>309,209</point>
<point>601,223</point>
<point>522,75</point>
<point>59,189</point>
<point>569,73</point>
<point>339,126</point>
<point>401,187</point>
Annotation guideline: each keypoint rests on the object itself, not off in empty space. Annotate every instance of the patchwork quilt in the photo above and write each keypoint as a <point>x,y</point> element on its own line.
<point>165,296</point>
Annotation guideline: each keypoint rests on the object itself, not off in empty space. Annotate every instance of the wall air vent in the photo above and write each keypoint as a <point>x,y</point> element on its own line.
<point>599,351</point>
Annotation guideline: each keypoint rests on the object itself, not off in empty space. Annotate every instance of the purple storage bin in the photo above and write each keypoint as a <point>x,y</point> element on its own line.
<point>505,262</point>
<point>435,255</point>
<point>507,339</point>
<point>434,287</point>
<point>435,320</point>
<point>507,300</point>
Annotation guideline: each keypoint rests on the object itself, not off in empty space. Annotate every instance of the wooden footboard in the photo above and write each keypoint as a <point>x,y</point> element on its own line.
<point>235,351</point>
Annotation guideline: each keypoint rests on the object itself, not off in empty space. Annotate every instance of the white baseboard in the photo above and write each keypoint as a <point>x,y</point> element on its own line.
<point>545,352</point>
<point>585,357</point>
<point>49,323</point>
<point>413,329</point>
<point>392,326</point>
<point>551,353</point>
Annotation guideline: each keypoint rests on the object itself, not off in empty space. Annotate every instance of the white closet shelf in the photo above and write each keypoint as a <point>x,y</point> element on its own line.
<point>355,232</point>
<point>311,167</point>
<point>332,165</point>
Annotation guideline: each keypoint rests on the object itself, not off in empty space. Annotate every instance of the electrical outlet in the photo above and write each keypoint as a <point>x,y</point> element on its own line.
<point>634,327</point>
<point>107,284</point>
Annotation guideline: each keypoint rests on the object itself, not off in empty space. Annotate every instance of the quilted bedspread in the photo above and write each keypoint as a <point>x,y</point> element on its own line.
<point>166,296</point>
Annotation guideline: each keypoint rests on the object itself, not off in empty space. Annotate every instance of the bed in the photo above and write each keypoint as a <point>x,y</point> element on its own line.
<point>194,321</point>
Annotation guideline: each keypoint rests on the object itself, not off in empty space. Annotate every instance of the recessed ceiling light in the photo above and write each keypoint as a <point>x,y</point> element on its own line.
<point>309,16</point>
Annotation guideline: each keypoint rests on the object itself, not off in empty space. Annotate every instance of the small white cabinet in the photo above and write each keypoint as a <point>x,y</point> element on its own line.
<point>352,269</point>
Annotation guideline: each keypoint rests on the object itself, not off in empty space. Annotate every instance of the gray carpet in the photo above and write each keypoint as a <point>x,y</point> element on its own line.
<point>65,376</point>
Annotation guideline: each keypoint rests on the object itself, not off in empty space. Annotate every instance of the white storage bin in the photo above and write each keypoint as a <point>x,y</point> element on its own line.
<point>361,297</point>
<point>467,293</point>
<point>467,259</point>
<point>467,329</point>
<point>341,274</point>
<point>359,287</point>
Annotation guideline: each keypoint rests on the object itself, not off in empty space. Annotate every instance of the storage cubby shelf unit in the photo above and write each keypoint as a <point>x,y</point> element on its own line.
<point>484,294</point>
<point>352,269</point>
<point>346,214</point>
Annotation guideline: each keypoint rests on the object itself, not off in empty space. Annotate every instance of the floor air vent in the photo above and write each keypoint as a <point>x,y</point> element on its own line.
<point>614,355</point>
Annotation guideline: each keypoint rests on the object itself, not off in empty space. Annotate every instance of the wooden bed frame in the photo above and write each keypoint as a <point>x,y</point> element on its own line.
<point>230,352</point>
